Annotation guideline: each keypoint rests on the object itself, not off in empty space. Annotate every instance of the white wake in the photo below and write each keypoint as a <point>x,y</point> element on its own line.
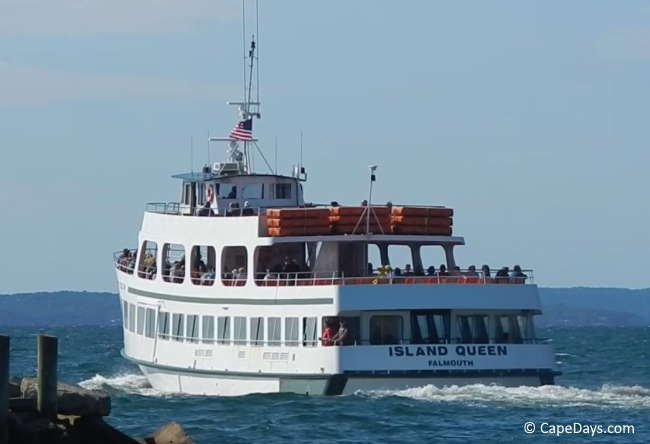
<point>549,395</point>
<point>135,384</point>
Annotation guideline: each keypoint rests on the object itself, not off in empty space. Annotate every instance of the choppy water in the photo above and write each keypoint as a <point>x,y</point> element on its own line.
<point>606,381</point>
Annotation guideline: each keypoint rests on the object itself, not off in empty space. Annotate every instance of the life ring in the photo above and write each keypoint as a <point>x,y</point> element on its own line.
<point>209,194</point>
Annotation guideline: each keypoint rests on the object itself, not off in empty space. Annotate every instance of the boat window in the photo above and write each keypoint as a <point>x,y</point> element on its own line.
<point>163,325</point>
<point>433,256</point>
<point>400,257</point>
<point>257,331</point>
<point>240,330</point>
<point>309,331</point>
<point>187,193</point>
<point>228,191</point>
<point>178,326</point>
<point>173,268</point>
<point>140,320</point>
<point>125,314</point>
<point>374,259</point>
<point>131,318</point>
<point>150,323</point>
<point>346,333</point>
<point>275,333</point>
<point>472,328</point>
<point>203,265</point>
<point>526,327</point>
<point>282,191</point>
<point>278,262</point>
<point>508,330</point>
<point>233,265</point>
<point>386,329</point>
<point>200,194</point>
<point>223,330</point>
<point>428,327</point>
<point>192,332</point>
<point>147,260</point>
<point>253,191</point>
<point>207,329</point>
<point>291,333</point>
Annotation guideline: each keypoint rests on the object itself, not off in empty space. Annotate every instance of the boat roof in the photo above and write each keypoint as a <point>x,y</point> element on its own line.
<point>203,177</point>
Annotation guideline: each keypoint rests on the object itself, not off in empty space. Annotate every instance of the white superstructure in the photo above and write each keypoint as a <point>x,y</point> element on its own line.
<point>213,304</point>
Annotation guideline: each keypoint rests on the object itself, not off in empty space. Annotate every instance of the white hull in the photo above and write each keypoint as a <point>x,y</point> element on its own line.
<point>169,381</point>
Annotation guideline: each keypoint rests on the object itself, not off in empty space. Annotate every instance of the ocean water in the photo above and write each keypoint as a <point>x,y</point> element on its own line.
<point>606,381</point>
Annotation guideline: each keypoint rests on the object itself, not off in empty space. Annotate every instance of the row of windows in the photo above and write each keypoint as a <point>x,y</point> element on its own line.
<point>427,327</point>
<point>207,329</point>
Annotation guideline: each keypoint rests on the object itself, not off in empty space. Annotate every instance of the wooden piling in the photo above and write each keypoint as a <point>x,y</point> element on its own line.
<point>46,401</point>
<point>4,388</point>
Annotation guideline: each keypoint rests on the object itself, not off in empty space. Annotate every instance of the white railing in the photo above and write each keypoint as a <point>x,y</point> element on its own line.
<point>127,265</point>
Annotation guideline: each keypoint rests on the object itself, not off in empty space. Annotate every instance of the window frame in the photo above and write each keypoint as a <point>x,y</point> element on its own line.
<point>209,326</point>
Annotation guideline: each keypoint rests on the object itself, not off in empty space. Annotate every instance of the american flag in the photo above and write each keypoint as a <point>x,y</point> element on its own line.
<point>243,130</point>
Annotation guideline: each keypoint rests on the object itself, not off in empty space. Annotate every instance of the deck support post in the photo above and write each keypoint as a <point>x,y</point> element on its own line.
<point>46,401</point>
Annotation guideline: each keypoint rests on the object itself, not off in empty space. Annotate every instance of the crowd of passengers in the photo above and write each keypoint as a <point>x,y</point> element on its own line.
<point>290,269</point>
<point>504,274</point>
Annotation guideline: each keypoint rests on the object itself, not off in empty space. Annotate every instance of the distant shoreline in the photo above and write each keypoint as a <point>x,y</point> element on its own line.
<point>576,306</point>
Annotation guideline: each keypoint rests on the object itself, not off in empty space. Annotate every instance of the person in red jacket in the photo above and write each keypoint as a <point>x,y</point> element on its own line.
<point>326,337</point>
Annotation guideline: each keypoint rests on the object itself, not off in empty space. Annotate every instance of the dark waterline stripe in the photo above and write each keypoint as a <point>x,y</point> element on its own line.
<point>241,301</point>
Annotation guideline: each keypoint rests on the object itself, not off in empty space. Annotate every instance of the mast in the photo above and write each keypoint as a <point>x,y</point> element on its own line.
<point>240,140</point>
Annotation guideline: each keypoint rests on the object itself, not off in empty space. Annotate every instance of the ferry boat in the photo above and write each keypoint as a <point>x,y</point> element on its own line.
<point>244,287</point>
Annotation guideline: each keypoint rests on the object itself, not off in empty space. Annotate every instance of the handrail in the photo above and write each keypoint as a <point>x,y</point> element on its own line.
<point>463,276</point>
<point>174,209</point>
<point>318,278</point>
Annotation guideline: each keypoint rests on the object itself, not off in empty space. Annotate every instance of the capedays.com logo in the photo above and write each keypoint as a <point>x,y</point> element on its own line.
<point>578,428</point>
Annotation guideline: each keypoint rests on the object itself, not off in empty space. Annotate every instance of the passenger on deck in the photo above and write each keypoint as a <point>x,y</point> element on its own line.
<point>124,259</point>
<point>131,263</point>
<point>443,270</point>
<point>455,271</point>
<point>431,271</point>
<point>178,271</point>
<point>149,265</point>
<point>518,276</point>
<point>247,211</point>
<point>205,210</point>
<point>233,209</point>
<point>397,272</point>
<point>268,275</point>
<point>340,335</point>
<point>486,271</point>
<point>503,275</point>
<point>208,277</point>
<point>471,271</point>
<point>371,270</point>
<point>408,271</point>
<point>326,337</point>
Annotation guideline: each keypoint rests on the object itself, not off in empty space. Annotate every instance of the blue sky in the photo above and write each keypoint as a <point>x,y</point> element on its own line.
<point>528,118</point>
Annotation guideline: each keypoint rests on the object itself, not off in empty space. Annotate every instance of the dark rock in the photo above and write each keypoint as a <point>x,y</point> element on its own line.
<point>93,430</point>
<point>14,387</point>
<point>170,433</point>
<point>72,399</point>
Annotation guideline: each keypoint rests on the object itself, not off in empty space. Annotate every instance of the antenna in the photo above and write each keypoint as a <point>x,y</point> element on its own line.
<point>208,147</point>
<point>243,40</point>
<point>276,155</point>
<point>301,150</point>
<point>257,32</point>
<point>192,154</point>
